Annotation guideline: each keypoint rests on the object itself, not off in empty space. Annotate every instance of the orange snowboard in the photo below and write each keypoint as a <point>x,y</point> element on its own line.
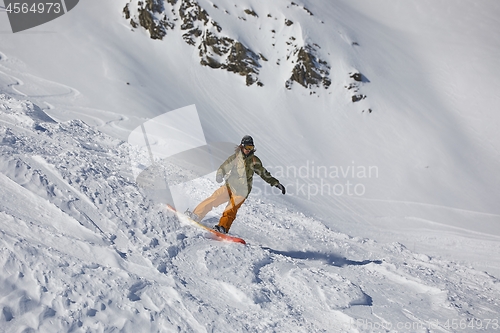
<point>217,234</point>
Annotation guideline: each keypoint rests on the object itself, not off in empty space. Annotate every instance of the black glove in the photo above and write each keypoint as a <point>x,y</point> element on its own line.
<point>281,187</point>
<point>219,178</point>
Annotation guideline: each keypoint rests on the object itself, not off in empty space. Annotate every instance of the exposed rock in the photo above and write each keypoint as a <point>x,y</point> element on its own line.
<point>357,98</point>
<point>133,24</point>
<point>157,29</point>
<point>155,6</point>
<point>190,13</point>
<point>359,80</point>
<point>251,12</point>
<point>150,17</point>
<point>216,50</point>
<point>219,51</point>
<point>304,8</point>
<point>126,11</point>
<point>308,11</point>
<point>357,77</point>
<point>228,54</point>
<point>309,70</point>
<point>243,61</point>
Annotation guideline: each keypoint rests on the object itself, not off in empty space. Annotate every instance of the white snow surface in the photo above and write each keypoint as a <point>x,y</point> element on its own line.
<point>412,244</point>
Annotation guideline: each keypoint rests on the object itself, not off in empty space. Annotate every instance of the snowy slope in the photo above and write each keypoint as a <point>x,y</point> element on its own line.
<point>92,253</point>
<point>85,249</point>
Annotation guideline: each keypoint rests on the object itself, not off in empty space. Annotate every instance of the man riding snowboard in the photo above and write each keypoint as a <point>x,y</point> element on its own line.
<point>237,171</point>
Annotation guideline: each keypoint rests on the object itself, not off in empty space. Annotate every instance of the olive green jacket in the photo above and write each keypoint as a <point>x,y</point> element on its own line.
<point>238,170</point>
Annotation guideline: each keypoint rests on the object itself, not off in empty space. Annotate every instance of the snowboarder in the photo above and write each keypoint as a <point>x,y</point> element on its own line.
<point>237,172</point>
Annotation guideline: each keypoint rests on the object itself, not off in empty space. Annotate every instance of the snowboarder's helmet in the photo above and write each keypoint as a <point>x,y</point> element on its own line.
<point>247,141</point>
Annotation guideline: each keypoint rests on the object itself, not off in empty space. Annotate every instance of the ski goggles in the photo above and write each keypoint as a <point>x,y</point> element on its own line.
<point>248,147</point>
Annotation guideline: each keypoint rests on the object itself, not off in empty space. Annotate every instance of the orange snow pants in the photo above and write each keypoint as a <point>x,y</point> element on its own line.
<point>221,195</point>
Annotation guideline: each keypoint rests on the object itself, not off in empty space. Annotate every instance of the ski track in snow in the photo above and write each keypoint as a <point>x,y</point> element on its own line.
<point>45,92</point>
<point>90,251</point>
<point>36,84</point>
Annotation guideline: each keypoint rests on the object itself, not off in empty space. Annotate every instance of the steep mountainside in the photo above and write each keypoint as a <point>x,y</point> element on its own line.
<point>219,51</point>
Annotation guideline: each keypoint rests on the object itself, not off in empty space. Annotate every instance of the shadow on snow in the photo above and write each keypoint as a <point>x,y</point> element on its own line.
<point>330,259</point>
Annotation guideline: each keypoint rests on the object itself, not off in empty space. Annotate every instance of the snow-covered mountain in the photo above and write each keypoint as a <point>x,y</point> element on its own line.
<point>379,118</point>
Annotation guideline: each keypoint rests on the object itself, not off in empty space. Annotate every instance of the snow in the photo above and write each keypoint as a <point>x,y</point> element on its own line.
<point>391,220</point>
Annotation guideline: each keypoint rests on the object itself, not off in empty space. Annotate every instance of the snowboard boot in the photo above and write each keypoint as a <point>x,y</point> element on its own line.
<point>192,216</point>
<point>220,229</point>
